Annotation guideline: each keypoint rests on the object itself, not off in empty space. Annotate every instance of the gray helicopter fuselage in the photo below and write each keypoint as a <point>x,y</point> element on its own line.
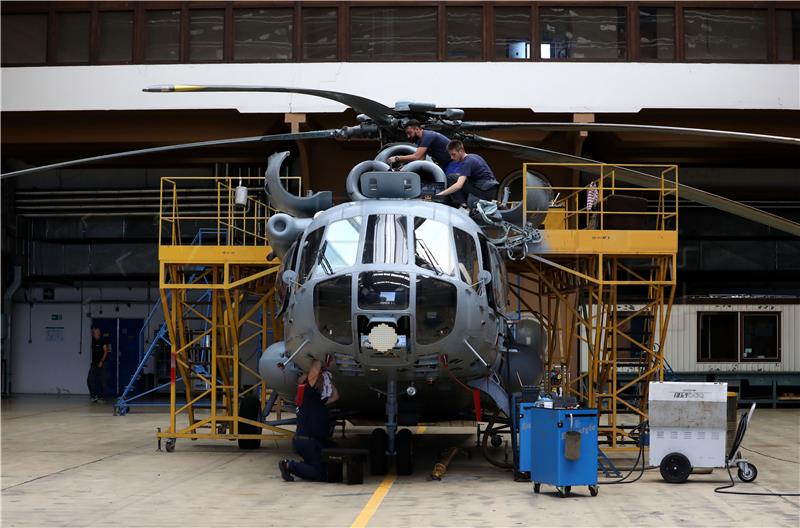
<point>389,290</point>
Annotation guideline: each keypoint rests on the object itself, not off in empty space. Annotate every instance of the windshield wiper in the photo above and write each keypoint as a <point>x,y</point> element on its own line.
<point>428,257</point>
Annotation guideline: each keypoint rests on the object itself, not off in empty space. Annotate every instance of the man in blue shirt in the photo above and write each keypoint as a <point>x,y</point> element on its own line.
<point>315,391</point>
<point>469,177</point>
<point>429,143</point>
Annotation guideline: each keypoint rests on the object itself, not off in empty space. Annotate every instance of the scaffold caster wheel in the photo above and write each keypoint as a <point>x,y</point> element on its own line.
<point>562,492</point>
<point>594,490</point>
<point>170,445</point>
<point>675,468</point>
<point>536,487</point>
<point>747,472</point>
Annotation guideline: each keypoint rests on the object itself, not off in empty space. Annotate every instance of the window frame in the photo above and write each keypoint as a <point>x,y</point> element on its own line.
<point>140,10</point>
<point>412,3</point>
<point>769,26</point>
<point>627,6</point>
<point>183,20</point>
<point>740,315</point>
<point>94,49</point>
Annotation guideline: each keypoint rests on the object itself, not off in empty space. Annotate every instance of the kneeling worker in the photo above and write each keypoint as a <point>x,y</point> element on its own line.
<point>469,178</point>
<point>315,392</point>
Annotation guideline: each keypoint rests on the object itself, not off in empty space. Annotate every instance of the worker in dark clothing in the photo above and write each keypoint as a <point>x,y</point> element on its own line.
<point>429,143</point>
<point>315,392</point>
<point>96,379</point>
<point>469,178</point>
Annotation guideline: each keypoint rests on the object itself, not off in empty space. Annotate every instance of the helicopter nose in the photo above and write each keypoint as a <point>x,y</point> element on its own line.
<point>383,337</point>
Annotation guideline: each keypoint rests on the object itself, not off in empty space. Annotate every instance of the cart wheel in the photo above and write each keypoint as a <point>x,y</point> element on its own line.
<point>170,445</point>
<point>747,472</point>
<point>536,487</point>
<point>594,490</point>
<point>675,468</point>
<point>561,492</point>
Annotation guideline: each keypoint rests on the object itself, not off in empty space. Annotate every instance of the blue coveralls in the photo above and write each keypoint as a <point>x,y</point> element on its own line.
<point>312,435</point>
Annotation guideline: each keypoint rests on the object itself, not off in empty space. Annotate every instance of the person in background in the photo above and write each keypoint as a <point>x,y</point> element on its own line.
<point>315,392</point>
<point>469,176</point>
<point>96,380</point>
<point>429,143</point>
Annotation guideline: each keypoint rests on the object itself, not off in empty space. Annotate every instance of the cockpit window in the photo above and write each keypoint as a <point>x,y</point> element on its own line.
<point>386,240</point>
<point>468,266</point>
<point>337,250</point>
<point>310,252</point>
<point>432,248</point>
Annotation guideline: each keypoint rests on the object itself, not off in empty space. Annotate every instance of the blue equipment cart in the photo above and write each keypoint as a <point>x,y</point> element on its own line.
<point>559,447</point>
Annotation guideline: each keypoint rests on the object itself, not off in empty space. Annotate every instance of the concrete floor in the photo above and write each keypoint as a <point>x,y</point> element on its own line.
<point>66,462</point>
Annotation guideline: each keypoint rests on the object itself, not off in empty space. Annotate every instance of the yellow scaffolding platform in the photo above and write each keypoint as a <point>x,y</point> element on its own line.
<point>602,284</point>
<point>219,301</point>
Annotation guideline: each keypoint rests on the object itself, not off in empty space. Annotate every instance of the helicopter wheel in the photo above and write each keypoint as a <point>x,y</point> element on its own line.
<point>378,460</point>
<point>404,447</point>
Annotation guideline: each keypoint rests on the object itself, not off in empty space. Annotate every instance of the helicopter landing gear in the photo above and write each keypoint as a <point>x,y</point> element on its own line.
<point>391,442</point>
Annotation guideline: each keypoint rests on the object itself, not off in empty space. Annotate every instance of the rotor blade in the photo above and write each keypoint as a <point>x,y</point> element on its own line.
<point>317,134</point>
<point>645,180</point>
<point>378,112</point>
<point>616,127</point>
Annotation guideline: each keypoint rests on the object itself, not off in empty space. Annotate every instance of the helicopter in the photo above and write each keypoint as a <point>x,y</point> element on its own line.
<point>401,297</point>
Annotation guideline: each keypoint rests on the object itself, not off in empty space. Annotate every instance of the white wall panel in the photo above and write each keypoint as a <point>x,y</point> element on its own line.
<point>541,86</point>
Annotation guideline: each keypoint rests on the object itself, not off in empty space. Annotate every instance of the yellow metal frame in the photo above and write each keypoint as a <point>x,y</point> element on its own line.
<point>571,284</point>
<point>217,299</point>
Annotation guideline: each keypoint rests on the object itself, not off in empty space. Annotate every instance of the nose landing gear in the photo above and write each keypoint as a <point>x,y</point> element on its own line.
<point>390,442</point>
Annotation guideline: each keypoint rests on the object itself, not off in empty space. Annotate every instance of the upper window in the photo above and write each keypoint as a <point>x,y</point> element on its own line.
<point>339,249</point>
<point>162,36</point>
<point>657,33</point>
<point>386,240</point>
<point>72,33</point>
<point>116,36</point>
<point>465,33</point>
<point>206,31</point>
<point>320,33</point>
<point>597,33</point>
<point>725,34</point>
<point>263,34</point>
<point>788,34</point>
<point>392,33</point>
<point>432,246</point>
<point>512,32</point>
<point>24,39</point>
<point>468,266</point>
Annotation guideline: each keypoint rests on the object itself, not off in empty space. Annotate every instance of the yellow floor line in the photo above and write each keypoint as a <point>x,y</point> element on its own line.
<point>378,496</point>
<point>374,501</point>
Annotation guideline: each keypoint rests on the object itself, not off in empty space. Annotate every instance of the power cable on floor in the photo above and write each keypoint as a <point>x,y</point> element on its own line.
<point>770,456</point>
<point>732,484</point>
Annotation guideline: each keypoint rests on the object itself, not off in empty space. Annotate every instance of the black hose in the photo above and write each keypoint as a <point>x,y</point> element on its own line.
<point>624,480</point>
